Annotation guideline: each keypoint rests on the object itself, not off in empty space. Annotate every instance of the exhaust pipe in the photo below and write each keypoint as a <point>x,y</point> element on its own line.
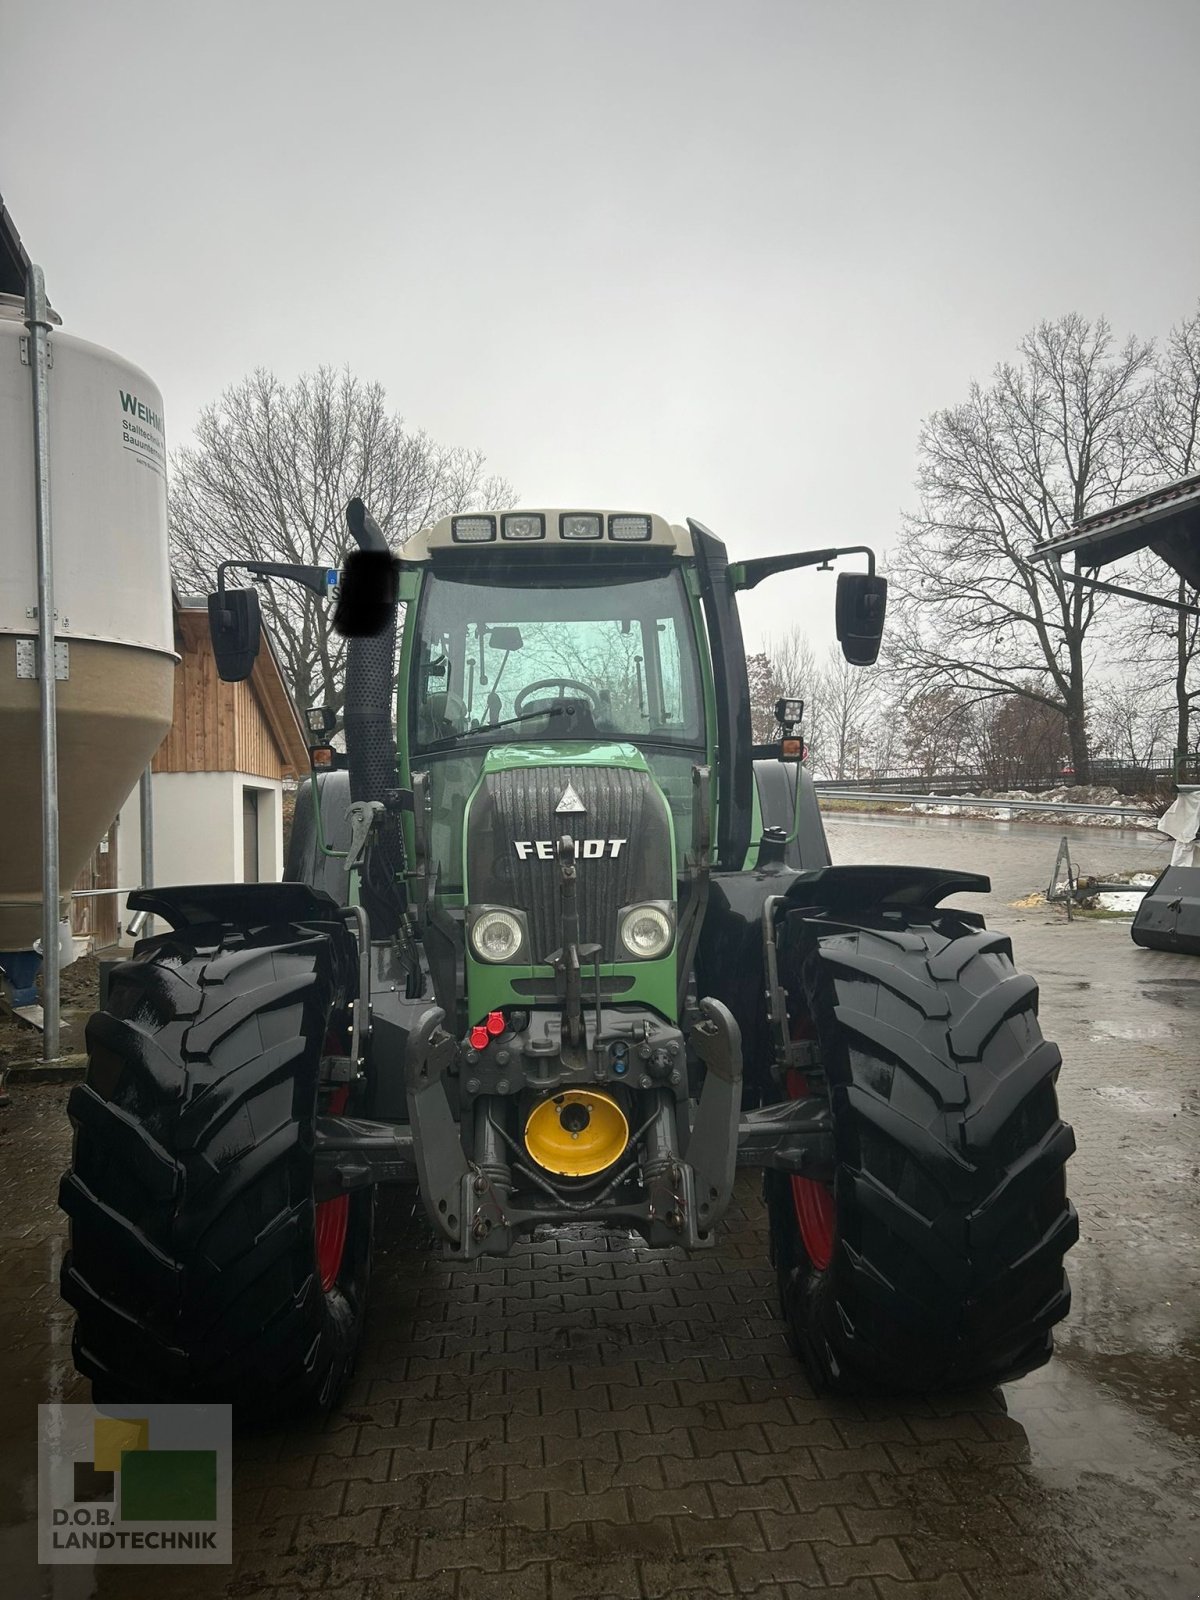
<point>370,662</point>
<point>370,744</point>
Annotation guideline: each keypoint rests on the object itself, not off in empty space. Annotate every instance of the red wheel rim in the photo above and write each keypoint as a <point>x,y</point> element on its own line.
<point>333,1216</point>
<point>332,1219</point>
<point>815,1219</point>
<point>815,1214</point>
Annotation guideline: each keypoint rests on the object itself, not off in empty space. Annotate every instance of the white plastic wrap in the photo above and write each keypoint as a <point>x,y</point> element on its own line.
<point>1181,822</point>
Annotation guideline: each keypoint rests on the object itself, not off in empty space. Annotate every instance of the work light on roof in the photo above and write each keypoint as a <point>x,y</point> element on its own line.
<point>581,525</point>
<point>629,529</point>
<point>473,530</point>
<point>524,525</point>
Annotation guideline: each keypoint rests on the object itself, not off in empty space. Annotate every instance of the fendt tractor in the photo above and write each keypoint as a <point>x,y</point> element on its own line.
<point>558,945</point>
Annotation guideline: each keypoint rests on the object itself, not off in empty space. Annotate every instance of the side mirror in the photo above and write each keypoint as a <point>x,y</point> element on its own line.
<point>861,605</point>
<point>235,627</point>
<point>366,599</point>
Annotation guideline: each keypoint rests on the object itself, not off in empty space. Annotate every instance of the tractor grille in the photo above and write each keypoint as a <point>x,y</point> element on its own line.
<point>518,807</point>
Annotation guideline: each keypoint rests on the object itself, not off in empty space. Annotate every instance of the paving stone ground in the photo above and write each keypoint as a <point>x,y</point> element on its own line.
<point>588,1418</point>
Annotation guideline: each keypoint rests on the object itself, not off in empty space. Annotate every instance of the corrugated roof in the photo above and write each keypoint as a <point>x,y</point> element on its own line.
<point>1165,519</point>
<point>14,261</point>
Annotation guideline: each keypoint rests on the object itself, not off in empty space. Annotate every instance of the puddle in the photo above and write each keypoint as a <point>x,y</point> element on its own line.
<point>1134,1032</point>
<point>1119,1488</point>
<point>1134,1099</point>
<point>1171,991</point>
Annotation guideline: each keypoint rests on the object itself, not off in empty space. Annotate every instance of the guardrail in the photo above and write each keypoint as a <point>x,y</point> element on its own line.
<point>978,803</point>
<point>983,780</point>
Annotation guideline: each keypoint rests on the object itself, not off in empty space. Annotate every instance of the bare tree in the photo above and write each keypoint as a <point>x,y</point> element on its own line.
<point>936,731</point>
<point>1133,722</point>
<point>1055,435</point>
<point>763,694</point>
<point>847,696</point>
<point>268,478</point>
<point>1018,741</point>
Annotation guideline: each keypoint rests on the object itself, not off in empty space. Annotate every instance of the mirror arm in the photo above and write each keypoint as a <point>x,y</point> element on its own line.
<point>748,574</point>
<point>319,579</point>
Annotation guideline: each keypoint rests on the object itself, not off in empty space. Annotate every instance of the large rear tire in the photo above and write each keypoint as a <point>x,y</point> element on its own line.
<point>197,1248</point>
<point>934,1260</point>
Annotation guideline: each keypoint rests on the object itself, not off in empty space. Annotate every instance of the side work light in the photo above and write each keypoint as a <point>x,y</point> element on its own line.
<point>321,721</point>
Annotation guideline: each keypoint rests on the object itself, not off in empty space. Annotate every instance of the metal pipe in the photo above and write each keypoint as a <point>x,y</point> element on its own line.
<point>37,320</point>
<point>146,819</point>
<point>146,802</point>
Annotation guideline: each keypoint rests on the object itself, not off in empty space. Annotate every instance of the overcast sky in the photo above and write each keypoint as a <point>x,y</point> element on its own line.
<point>705,259</point>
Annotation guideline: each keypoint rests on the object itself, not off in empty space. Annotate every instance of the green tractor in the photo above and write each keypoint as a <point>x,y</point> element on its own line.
<point>564,947</point>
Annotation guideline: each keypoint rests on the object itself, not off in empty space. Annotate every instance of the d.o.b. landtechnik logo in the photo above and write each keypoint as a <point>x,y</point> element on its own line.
<point>134,1484</point>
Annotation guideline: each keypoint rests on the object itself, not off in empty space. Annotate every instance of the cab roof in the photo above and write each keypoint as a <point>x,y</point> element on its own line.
<point>523,531</point>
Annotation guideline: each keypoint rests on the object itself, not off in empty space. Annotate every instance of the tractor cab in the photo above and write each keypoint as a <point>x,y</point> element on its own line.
<point>544,640</point>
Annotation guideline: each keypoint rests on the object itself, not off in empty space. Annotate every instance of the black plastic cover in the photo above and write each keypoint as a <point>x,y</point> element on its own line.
<point>306,861</point>
<point>1169,915</point>
<point>857,890</point>
<point>244,905</point>
<point>776,782</point>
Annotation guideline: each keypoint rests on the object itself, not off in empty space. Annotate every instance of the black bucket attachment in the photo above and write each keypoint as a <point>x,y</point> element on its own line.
<point>1169,915</point>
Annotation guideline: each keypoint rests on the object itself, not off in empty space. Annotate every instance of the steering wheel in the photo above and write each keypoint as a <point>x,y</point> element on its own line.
<point>521,703</point>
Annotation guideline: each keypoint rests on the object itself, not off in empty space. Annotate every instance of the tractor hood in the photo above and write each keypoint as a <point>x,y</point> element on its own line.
<point>605,799</point>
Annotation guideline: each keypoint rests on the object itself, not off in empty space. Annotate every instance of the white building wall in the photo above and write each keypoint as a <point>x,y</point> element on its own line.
<point>198,830</point>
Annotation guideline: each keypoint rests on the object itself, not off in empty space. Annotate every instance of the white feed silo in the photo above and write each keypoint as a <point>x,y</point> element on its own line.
<point>114,643</point>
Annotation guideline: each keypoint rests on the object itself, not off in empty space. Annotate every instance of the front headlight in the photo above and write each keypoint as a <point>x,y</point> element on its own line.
<point>646,932</point>
<point>496,936</point>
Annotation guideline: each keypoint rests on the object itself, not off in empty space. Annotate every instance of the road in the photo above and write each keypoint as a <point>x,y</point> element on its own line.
<point>587,1418</point>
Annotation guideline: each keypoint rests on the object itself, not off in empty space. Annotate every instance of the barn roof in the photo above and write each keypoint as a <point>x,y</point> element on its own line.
<point>14,262</point>
<point>1166,520</point>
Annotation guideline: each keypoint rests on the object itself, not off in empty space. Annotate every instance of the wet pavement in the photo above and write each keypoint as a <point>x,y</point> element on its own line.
<point>588,1418</point>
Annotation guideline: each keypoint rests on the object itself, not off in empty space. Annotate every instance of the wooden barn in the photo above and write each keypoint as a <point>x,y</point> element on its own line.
<point>218,782</point>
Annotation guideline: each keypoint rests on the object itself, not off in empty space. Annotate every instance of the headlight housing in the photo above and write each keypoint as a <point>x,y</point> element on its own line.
<point>497,936</point>
<point>646,931</point>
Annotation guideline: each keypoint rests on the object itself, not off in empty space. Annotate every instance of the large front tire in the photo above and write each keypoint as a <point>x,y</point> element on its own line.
<point>198,1251</point>
<point>934,1260</point>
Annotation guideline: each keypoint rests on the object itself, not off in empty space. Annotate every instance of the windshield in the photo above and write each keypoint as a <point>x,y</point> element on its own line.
<point>532,657</point>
